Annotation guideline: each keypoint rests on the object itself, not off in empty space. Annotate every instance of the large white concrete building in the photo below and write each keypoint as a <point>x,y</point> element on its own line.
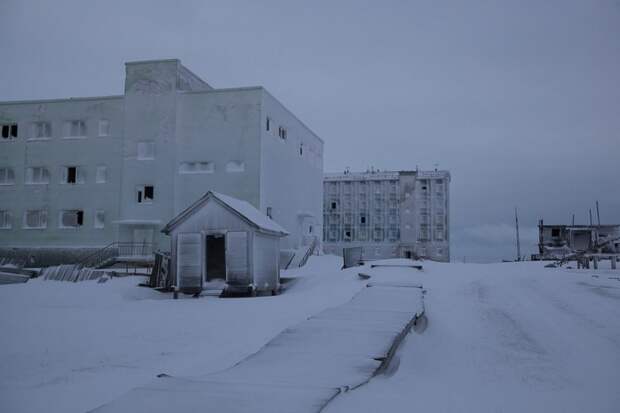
<point>85,172</point>
<point>389,214</point>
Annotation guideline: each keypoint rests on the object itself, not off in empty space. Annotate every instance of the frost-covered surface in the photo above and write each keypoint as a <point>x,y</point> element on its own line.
<point>501,337</point>
<point>510,337</point>
<point>304,366</point>
<point>71,347</point>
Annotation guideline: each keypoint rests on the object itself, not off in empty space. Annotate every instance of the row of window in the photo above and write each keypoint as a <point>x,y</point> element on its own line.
<point>208,167</point>
<point>75,128</point>
<point>78,174</point>
<point>348,187</point>
<point>38,219</point>
<point>269,127</point>
<point>282,133</point>
<point>40,175</point>
<point>332,234</point>
<point>362,204</point>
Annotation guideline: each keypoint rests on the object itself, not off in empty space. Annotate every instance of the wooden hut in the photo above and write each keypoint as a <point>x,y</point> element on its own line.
<point>223,238</point>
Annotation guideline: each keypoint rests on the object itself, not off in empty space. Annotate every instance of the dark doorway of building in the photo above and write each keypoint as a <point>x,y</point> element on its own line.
<point>216,257</point>
<point>408,254</point>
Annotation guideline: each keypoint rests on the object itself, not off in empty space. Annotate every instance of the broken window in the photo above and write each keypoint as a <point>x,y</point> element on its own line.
<point>9,131</point>
<point>347,234</point>
<point>99,219</point>
<point>235,166</point>
<point>73,175</point>
<point>145,194</point>
<point>35,219</point>
<point>37,175</point>
<point>7,176</point>
<point>6,221</point>
<point>104,127</point>
<point>41,130</point>
<point>146,151</point>
<point>71,218</point>
<point>75,129</point>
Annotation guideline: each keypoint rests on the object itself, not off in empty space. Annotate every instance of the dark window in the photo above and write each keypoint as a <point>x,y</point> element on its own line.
<point>269,212</point>
<point>80,217</point>
<point>145,193</point>
<point>268,127</point>
<point>362,220</point>
<point>301,149</point>
<point>71,174</point>
<point>333,205</point>
<point>555,232</point>
<point>9,131</point>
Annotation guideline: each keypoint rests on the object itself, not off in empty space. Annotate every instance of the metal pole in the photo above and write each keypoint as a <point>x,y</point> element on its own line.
<point>590,211</point>
<point>518,241</point>
<point>573,224</point>
<point>598,215</point>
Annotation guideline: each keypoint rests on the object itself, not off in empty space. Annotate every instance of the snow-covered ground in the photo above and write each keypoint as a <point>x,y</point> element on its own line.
<point>501,337</point>
<point>511,337</point>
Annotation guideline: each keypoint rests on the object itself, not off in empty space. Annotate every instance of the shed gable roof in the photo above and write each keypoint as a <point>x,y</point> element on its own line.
<point>240,208</point>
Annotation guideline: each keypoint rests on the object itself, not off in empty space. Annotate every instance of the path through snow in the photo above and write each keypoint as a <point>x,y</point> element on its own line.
<point>506,338</point>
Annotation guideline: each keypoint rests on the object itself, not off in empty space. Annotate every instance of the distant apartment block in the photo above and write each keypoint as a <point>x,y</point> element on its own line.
<point>389,214</point>
<point>86,172</point>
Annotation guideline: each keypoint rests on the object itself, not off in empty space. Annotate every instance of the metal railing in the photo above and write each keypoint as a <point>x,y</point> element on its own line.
<point>115,250</point>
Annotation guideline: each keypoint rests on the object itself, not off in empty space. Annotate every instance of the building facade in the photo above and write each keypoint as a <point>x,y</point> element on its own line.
<point>86,172</point>
<point>389,214</point>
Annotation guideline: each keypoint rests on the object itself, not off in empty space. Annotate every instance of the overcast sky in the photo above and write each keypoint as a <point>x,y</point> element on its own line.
<point>520,100</point>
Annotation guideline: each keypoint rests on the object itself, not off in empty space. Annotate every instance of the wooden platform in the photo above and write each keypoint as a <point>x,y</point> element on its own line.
<point>302,368</point>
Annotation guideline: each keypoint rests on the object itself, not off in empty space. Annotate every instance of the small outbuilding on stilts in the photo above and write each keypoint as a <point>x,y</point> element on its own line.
<point>224,238</point>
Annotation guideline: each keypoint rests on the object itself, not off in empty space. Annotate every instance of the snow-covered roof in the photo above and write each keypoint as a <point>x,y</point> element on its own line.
<point>242,208</point>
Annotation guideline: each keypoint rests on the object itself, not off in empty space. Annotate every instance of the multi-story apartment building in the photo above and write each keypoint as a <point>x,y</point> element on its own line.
<point>85,172</point>
<point>389,214</point>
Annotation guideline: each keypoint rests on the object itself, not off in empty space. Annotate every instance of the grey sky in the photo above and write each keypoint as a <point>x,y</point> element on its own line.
<point>520,100</point>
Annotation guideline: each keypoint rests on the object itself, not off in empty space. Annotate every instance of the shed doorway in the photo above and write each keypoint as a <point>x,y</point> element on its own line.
<point>216,257</point>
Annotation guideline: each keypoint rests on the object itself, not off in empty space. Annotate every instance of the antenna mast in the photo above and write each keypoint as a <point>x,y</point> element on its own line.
<point>518,240</point>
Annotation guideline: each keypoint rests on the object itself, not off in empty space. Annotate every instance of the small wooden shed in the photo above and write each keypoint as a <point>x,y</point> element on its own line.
<point>224,238</point>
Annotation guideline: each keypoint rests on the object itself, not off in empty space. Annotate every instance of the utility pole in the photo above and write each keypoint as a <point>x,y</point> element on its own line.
<point>598,215</point>
<point>590,210</point>
<point>573,224</point>
<point>518,241</point>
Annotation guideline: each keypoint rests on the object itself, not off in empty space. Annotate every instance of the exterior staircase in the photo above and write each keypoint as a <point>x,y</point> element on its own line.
<point>134,253</point>
<point>301,255</point>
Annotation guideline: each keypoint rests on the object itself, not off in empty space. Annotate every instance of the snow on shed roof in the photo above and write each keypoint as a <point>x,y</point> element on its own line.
<point>242,208</point>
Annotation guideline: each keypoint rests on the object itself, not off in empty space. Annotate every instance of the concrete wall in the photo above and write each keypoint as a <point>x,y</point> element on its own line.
<point>291,182</point>
<point>218,127</point>
<point>54,153</point>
